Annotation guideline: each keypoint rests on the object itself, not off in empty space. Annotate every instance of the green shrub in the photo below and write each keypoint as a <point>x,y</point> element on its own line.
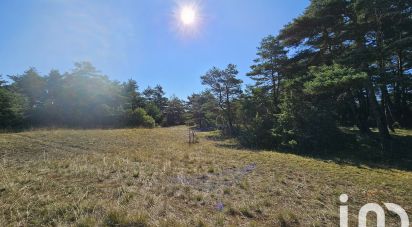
<point>154,111</point>
<point>139,117</point>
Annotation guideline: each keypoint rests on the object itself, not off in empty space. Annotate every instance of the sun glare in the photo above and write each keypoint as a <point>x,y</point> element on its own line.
<point>188,18</point>
<point>188,15</point>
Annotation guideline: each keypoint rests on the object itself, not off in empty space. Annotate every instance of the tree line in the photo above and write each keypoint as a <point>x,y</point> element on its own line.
<point>83,98</point>
<point>342,63</point>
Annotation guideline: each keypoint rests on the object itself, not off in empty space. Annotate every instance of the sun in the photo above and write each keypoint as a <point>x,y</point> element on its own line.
<point>187,15</point>
<point>188,18</point>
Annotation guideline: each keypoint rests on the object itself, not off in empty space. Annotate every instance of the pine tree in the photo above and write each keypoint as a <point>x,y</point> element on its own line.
<point>268,68</point>
<point>226,88</point>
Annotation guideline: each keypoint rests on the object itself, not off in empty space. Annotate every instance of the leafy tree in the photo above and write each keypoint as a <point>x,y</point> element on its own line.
<point>6,113</point>
<point>306,127</point>
<point>174,112</point>
<point>338,86</point>
<point>11,107</point>
<point>226,88</point>
<point>132,95</point>
<point>32,86</point>
<point>202,110</point>
<point>156,95</point>
<point>51,111</point>
<point>156,102</point>
<point>139,117</point>
<point>257,118</point>
<point>90,99</point>
<point>154,111</point>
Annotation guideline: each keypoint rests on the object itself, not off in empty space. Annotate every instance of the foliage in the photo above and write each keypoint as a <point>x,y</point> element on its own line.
<point>257,119</point>
<point>83,98</point>
<point>268,71</point>
<point>130,90</point>
<point>340,63</point>
<point>333,79</point>
<point>153,111</point>
<point>226,88</point>
<point>307,126</point>
<point>174,112</point>
<point>156,96</point>
<point>139,117</point>
<point>11,107</point>
<point>202,110</point>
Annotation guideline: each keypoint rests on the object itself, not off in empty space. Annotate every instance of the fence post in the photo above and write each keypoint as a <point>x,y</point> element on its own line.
<point>190,139</point>
<point>191,136</point>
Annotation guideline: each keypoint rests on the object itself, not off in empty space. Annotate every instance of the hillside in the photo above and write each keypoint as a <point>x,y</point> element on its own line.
<point>147,177</point>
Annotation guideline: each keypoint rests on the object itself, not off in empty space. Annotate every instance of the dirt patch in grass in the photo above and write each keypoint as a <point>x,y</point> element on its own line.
<point>212,181</point>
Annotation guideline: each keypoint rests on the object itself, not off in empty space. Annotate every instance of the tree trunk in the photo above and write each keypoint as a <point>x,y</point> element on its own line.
<point>387,106</point>
<point>400,94</point>
<point>361,121</point>
<point>274,91</point>
<point>379,116</point>
<point>374,106</point>
<point>229,112</point>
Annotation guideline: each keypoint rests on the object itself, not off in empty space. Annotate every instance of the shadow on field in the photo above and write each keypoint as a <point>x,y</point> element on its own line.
<point>356,150</point>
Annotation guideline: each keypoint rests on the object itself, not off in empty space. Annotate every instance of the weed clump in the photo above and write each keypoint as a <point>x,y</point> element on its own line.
<point>121,219</point>
<point>288,219</point>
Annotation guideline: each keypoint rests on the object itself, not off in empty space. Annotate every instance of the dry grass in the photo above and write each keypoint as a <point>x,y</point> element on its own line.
<point>152,177</point>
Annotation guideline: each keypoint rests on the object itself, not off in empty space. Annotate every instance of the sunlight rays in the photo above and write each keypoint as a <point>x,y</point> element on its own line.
<point>187,18</point>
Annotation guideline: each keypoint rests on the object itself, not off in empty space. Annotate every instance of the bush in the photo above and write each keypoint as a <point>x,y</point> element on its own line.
<point>154,112</point>
<point>139,117</point>
<point>258,134</point>
<point>307,126</point>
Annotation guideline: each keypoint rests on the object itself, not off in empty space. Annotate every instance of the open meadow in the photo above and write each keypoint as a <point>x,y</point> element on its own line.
<point>153,177</point>
<point>206,113</point>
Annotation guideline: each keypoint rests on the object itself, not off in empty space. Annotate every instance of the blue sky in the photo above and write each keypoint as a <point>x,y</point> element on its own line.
<point>139,39</point>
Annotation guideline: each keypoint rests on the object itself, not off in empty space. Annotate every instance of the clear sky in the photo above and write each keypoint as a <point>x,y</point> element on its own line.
<point>140,39</point>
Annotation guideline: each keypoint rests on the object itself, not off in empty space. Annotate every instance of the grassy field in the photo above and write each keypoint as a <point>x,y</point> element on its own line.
<point>153,177</point>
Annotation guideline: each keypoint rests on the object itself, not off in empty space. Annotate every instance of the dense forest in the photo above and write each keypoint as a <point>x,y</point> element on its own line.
<point>341,64</point>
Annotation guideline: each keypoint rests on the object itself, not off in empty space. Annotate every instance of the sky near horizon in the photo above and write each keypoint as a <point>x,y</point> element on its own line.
<point>144,40</point>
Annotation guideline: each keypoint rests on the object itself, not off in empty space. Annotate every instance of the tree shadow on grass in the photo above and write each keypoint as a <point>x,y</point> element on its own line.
<point>217,136</point>
<point>368,151</point>
<point>355,150</point>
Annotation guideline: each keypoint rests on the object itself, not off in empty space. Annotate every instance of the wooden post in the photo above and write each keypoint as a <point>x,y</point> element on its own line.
<point>192,136</point>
